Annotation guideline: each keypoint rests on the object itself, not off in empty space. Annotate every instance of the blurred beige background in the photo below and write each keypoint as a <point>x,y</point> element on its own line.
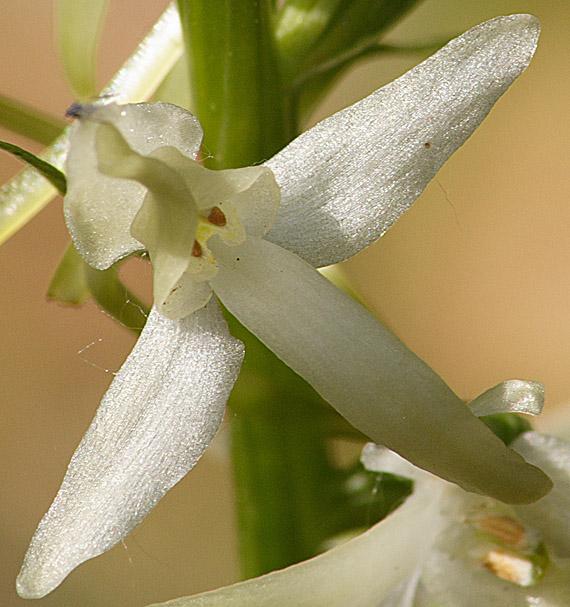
<point>474,279</point>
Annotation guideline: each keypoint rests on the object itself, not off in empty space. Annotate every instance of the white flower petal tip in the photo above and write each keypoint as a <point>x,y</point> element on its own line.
<point>550,515</point>
<point>366,372</point>
<point>161,411</point>
<point>511,396</point>
<point>348,179</point>
<point>99,209</point>
<point>357,573</point>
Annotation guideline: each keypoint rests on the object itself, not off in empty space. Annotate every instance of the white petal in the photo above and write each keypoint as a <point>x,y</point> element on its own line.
<point>358,573</point>
<point>453,576</point>
<point>551,514</point>
<point>79,24</point>
<point>347,180</point>
<point>161,411</point>
<point>99,209</point>
<point>511,396</point>
<point>25,195</point>
<point>365,371</point>
<point>405,594</point>
<point>378,458</point>
<point>186,297</point>
<point>167,221</point>
<point>252,190</point>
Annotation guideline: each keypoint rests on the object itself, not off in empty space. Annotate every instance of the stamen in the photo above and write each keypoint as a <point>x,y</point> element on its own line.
<point>217,217</point>
<point>196,249</point>
<point>503,528</point>
<point>510,567</point>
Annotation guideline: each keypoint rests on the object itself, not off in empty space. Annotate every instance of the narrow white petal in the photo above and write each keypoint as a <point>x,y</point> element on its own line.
<point>347,180</point>
<point>27,193</point>
<point>405,594</point>
<point>161,411</point>
<point>99,209</point>
<point>365,371</point>
<point>79,24</point>
<point>551,514</point>
<point>511,396</point>
<point>187,296</point>
<point>153,59</point>
<point>358,573</point>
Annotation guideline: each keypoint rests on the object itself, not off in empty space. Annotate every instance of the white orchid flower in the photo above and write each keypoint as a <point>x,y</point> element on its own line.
<point>443,546</point>
<point>487,553</point>
<point>254,236</point>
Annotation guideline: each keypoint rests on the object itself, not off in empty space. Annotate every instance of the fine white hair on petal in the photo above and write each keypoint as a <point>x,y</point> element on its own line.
<point>160,413</point>
<point>511,396</point>
<point>365,372</point>
<point>551,514</point>
<point>348,179</point>
<point>100,209</point>
<point>357,573</point>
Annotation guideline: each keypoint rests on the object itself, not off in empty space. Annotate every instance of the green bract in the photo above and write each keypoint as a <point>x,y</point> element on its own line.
<point>133,184</point>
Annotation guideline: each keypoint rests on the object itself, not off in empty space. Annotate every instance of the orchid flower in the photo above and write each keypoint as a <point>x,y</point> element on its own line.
<point>254,237</point>
<point>487,553</point>
<point>443,546</point>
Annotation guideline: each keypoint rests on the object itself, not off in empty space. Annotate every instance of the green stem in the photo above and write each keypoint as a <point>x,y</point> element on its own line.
<point>283,475</point>
<point>27,121</point>
<point>284,481</point>
<point>235,80</point>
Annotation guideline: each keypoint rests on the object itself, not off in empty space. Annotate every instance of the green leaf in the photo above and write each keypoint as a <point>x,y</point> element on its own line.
<point>21,118</point>
<point>53,175</point>
<point>312,33</point>
<point>507,426</point>
<point>79,24</point>
<point>110,294</point>
<point>68,285</point>
<point>175,88</point>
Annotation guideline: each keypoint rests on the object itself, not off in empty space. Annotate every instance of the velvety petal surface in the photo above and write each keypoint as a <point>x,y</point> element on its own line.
<point>358,573</point>
<point>365,371</point>
<point>161,411</point>
<point>511,396</point>
<point>99,209</point>
<point>551,514</point>
<point>348,179</point>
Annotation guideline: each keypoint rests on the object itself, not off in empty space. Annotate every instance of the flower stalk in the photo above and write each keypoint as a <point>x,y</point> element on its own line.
<point>235,80</point>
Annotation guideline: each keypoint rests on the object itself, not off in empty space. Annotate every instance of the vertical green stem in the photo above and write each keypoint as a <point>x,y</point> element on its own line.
<point>281,463</point>
<point>285,483</point>
<point>235,80</point>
